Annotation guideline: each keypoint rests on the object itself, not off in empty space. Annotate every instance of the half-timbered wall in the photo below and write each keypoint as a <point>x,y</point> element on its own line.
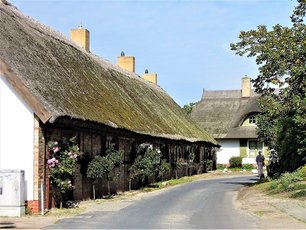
<point>93,142</point>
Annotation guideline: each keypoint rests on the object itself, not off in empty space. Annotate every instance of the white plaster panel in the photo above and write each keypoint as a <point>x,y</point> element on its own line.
<point>16,135</point>
<point>229,148</point>
<point>249,160</point>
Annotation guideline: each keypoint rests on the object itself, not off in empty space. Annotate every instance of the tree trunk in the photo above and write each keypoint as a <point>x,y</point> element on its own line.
<point>176,174</point>
<point>130,184</point>
<point>94,191</point>
<point>108,188</point>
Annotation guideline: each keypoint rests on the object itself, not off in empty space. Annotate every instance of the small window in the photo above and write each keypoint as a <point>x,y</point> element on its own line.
<point>254,147</point>
<point>252,120</point>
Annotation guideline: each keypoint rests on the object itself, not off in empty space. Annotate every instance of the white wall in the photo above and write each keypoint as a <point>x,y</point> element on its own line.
<point>249,160</point>
<point>229,148</point>
<point>16,135</point>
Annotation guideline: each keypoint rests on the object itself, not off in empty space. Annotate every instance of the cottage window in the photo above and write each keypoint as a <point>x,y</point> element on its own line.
<point>254,147</point>
<point>252,120</point>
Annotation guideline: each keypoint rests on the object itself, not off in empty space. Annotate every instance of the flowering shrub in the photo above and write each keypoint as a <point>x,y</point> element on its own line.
<point>61,164</point>
<point>148,163</point>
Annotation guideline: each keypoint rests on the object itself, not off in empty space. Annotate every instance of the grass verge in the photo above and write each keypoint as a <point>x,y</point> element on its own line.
<point>292,185</point>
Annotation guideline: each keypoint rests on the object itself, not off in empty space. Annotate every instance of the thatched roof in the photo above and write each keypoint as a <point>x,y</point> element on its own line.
<point>222,112</point>
<point>57,78</point>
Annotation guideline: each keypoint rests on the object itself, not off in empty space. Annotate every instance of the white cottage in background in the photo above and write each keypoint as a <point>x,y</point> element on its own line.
<point>230,116</point>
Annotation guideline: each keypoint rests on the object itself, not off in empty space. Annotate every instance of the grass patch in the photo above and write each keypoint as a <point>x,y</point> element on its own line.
<point>60,212</point>
<point>298,194</point>
<point>168,183</point>
<point>260,213</point>
<point>292,184</point>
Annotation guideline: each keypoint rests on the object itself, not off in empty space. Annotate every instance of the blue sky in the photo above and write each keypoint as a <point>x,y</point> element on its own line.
<point>185,42</point>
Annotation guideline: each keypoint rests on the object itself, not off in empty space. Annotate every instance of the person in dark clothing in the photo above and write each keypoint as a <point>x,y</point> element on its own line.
<point>260,160</point>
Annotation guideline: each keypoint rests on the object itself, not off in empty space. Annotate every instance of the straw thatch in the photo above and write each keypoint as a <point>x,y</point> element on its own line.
<point>65,80</point>
<point>222,112</point>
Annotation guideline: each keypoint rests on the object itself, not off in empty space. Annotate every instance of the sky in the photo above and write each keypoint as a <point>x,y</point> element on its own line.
<point>185,42</point>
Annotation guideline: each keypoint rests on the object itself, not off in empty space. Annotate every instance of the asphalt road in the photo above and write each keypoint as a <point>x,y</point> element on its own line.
<point>198,205</point>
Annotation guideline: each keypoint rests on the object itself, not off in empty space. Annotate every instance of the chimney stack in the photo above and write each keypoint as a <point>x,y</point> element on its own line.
<point>126,62</point>
<point>152,77</point>
<point>80,36</point>
<point>246,87</point>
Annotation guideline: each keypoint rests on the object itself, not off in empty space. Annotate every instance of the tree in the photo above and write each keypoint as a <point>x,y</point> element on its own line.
<point>102,167</point>
<point>188,108</point>
<point>164,167</point>
<point>148,163</point>
<point>280,55</point>
<point>95,172</point>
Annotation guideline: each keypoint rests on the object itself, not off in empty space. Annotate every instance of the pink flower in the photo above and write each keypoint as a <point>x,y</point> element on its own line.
<point>56,149</point>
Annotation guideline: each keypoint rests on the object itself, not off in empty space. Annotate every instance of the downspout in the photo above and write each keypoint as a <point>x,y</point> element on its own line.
<point>45,186</point>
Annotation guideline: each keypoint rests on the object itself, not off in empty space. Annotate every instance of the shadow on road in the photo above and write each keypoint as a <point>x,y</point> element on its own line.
<point>244,183</point>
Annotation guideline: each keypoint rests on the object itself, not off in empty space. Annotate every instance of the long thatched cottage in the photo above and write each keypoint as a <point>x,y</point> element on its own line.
<point>230,117</point>
<point>53,89</point>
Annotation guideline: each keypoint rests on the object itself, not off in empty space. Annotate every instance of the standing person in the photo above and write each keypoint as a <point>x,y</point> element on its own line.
<point>260,160</point>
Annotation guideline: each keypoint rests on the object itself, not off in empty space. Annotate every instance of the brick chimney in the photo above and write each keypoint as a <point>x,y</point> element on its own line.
<point>246,87</point>
<point>126,62</point>
<point>80,36</point>
<point>152,77</point>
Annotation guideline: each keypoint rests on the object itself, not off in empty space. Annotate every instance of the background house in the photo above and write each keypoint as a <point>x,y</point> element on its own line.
<point>52,89</point>
<point>230,116</point>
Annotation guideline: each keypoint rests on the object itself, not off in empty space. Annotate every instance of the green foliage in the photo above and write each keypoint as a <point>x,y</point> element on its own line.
<point>248,166</point>
<point>292,183</point>
<point>164,168</point>
<point>235,162</point>
<point>146,165</point>
<point>177,165</point>
<point>101,167</point>
<point>61,163</point>
<point>280,56</point>
<point>95,168</point>
<point>221,166</point>
<point>188,108</point>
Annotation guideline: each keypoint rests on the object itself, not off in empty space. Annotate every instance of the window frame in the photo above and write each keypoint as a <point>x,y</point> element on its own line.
<point>256,148</point>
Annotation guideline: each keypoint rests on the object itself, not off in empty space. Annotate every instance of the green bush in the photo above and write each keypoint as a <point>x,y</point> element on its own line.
<point>290,182</point>
<point>235,162</point>
<point>247,166</point>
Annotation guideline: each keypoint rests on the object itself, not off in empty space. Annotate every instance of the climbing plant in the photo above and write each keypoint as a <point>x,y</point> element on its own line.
<point>61,163</point>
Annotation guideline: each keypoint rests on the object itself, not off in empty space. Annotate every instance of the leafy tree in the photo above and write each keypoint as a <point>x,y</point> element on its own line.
<point>188,108</point>
<point>102,167</point>
<point>280,54</point>
<point>164,167</point>
<point>148,163</point>
<point>95,172</point>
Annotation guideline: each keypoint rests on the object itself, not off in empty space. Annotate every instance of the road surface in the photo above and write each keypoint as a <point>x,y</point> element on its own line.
<point>198,205</point>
